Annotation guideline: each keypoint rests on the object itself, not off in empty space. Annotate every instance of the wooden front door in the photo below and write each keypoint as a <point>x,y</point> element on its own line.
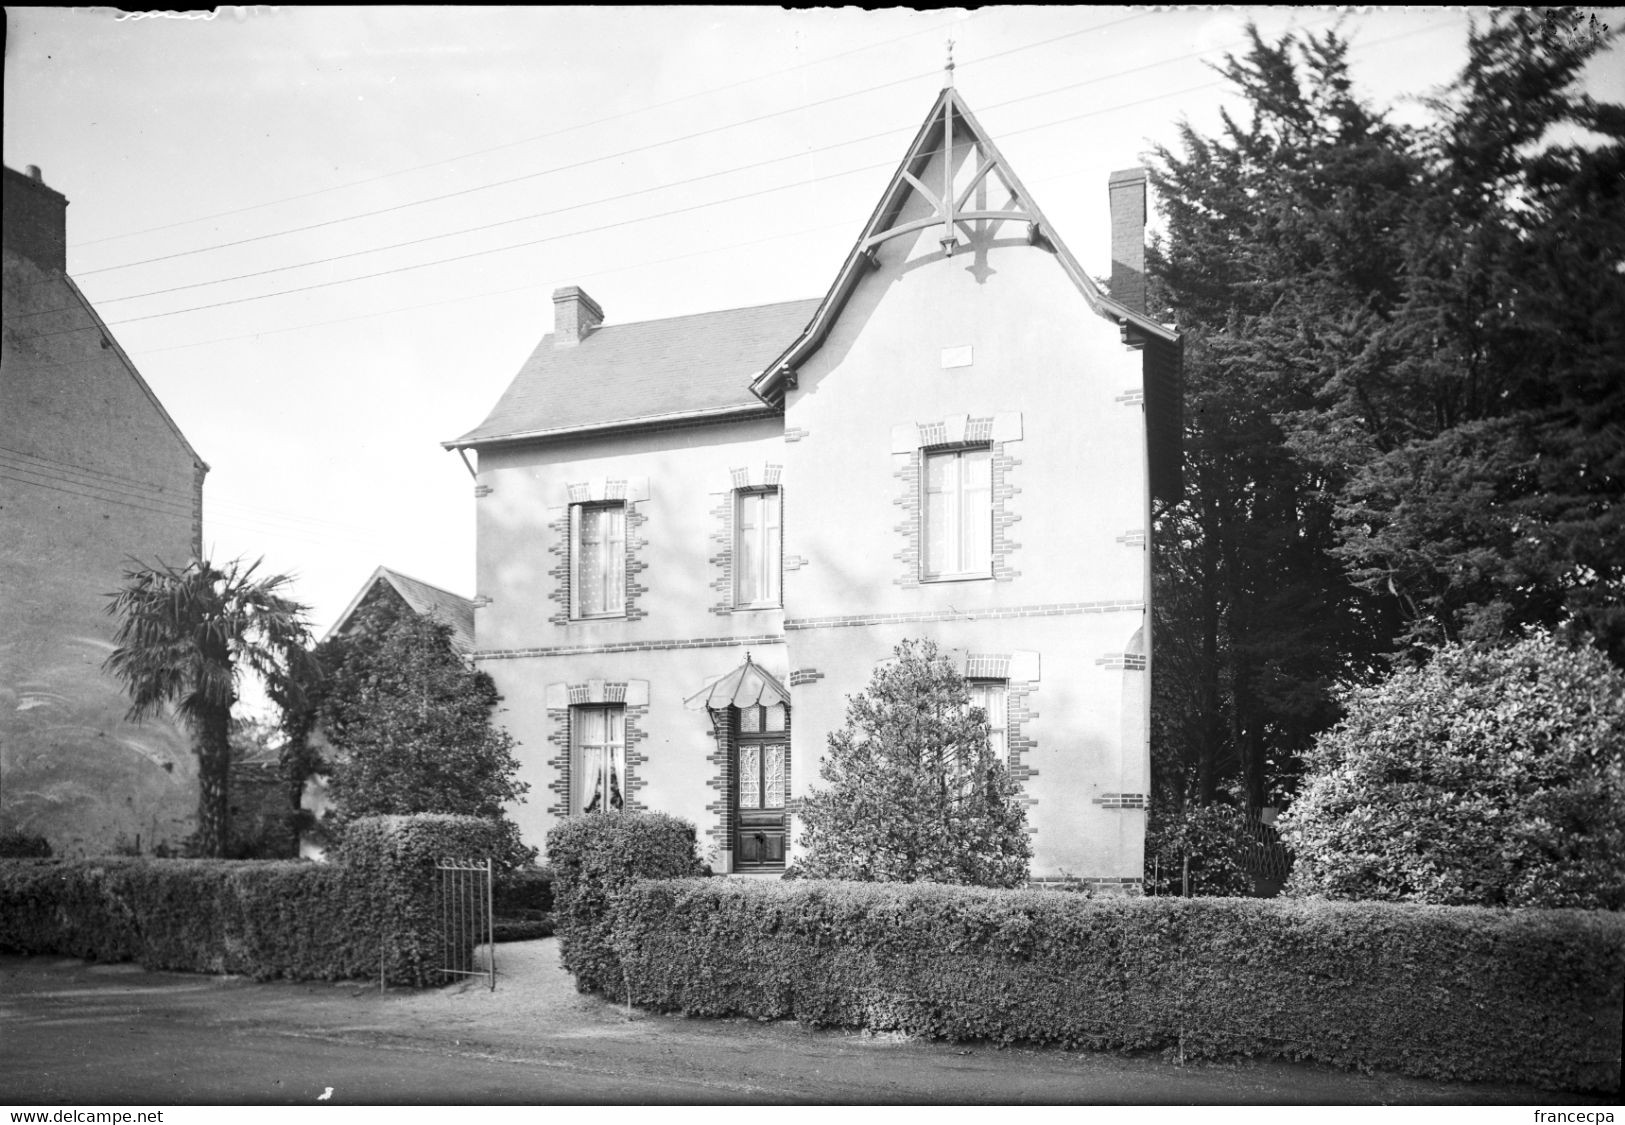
<point>761,787</point>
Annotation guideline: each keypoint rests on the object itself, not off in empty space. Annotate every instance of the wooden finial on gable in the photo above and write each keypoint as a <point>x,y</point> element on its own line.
<point>949,69</point>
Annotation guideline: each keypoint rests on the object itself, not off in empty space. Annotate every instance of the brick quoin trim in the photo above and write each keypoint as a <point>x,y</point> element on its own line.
<point>1132,538</point>
<point>558,737</point>
<point>559,572</point>
<point>481,491</point>
<point>1122,662</point>
<point>1002,464</point>
<point>720,782</point>
<point>1131,398</point>
<point>909,528</point>
<point>1020,709</point>
<point>628,646</point>
<point>722,536</point>
<point>805,676</point>
<point>794,433</point>
<point>562,571</point>
<point>636,759</point>
<point>1003,518</point>
<point>635,564</point>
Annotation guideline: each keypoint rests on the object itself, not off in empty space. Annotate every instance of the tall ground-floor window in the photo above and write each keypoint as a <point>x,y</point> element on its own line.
<point>993,697</point>
<point>597,758</point>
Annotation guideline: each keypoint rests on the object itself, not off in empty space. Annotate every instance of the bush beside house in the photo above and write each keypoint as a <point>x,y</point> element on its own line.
<point>595,859</point>
<point>1451,993</point>
<point>376,911</point>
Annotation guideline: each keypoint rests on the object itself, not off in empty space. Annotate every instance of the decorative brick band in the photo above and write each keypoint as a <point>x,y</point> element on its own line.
<point>627,646</point>
<point>794,562</point>
<point>805,676</point>
<point>1122,661</point>
<point>482,600</point>
<point>482,490</point>
<point>794,433</point>
<point>1133,538</point>
<point>1103,884</point>
<point>1131,398</point>
<point>1121,801</point>
<point>993,613</point>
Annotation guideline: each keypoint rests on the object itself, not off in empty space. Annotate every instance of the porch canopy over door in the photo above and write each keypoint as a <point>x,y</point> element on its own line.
<point>750,709</point>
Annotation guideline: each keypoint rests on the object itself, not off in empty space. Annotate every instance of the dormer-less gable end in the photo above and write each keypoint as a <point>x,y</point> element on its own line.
<point>974,184</point>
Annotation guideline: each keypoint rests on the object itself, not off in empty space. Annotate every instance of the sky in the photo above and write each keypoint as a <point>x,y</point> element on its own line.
<point>328,237</point>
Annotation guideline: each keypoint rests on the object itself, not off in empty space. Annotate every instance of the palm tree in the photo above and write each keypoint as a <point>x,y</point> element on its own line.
<point>185,637</point>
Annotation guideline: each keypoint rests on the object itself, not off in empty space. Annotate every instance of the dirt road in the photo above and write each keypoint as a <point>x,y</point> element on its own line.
<point>118,1034</point>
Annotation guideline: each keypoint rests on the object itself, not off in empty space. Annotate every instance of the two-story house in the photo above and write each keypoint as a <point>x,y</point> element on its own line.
<point>698,536</point>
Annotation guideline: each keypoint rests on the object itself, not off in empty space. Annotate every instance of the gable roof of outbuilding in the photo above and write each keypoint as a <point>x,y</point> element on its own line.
<point>423,599</point>
<point>677,369</point>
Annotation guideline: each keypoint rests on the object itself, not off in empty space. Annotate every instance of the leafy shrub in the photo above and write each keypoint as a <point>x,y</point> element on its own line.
<point>1455,993</point>
<point>19,845</point>
<point>1214,839</point>
<point>912,790</point>
<point>523,889</point>
<point>376,911</point>
<point>594,858</point>
<point>1492,777</point>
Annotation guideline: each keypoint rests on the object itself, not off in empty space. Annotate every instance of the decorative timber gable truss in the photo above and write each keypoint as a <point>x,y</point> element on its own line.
<point>949,128</point>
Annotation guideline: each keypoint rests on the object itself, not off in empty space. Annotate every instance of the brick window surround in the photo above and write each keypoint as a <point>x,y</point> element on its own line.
<point>753,478</point>
<point>562,700</point>
<point>1019,671</point>
<point>633,496</point>
<point>911,441</point>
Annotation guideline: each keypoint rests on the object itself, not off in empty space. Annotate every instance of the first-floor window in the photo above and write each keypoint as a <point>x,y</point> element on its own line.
<point>598,554</point>
<point>993,697</point>
<point>959,513</point>
<point>597,759</point>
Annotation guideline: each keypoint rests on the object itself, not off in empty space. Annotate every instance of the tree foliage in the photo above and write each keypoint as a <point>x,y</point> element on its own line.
<point>185,637</point>
<point>1402,395</point>
<point>408,726</point>
<point>913,792</point>
<point>1490,776</point>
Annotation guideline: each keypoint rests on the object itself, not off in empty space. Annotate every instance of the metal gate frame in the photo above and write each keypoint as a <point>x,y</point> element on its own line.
<point>465,916</point>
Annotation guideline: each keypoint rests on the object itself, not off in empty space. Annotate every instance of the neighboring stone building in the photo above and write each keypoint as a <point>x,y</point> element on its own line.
<point>698,536</point>
<point>93,472</point>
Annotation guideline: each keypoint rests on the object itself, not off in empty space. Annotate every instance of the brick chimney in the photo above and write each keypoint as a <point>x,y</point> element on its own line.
<point>575,315</point>
<point>36,220</point>
<point>1127,190</point>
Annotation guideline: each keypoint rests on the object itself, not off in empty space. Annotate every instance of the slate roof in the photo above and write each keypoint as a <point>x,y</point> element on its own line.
<point>642,372</point>
<point>425,600</point>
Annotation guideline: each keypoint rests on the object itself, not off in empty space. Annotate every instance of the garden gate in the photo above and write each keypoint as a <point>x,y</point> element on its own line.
<point>466,918</point>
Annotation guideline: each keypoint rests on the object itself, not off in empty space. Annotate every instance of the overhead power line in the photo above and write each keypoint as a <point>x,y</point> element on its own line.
<point>683,210</point>
<point>525,140</point>
<point>602,159</point>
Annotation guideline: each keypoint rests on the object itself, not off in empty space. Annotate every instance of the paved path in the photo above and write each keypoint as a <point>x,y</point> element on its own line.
<point>72,1032</point>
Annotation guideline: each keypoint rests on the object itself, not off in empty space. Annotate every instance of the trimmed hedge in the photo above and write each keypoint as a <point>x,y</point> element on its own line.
<point>375,911</point>
<point>522,889</point>
<point>594,859</point>
<point>1458,993</point>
